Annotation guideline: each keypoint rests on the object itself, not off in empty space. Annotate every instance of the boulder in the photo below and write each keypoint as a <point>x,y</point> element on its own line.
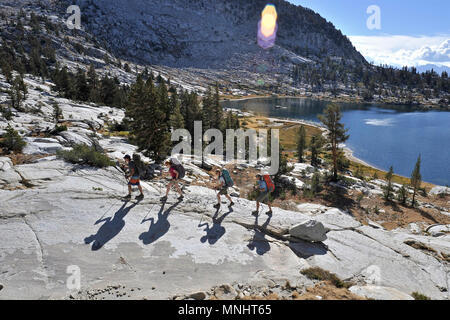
<point>292,181</point>
<point>225,292</point>
<point>310,230</point>
<point>439,190</point>
<point>302,167</point>
<point>8,175</point>
<point>438,230</point>
<point>74,138</point>
<point>5,164</point>
<point>380,293</point>
<point>375,225</point>
<point>41,146</point>
<point>198,295</point>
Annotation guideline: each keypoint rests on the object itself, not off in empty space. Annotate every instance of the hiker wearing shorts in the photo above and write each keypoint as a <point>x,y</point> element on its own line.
<point>134,179</point>
<point>223,189</point>
<point>263,196</point>
<point>173,182</point>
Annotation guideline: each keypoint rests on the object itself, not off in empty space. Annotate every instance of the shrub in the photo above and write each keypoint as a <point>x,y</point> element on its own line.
<point>419,296</point>
<point>376,210</point>
<point>124,126</point>
<point>424,192</point>
<point>316,186</point>
<point>12,141</point>
<point>83,154</point>
<point>402,195</point>
<point>6,113</point>
<point>359,173</point>
<point>317,273</point>
<point>59,129</point>
<point>360,198</point>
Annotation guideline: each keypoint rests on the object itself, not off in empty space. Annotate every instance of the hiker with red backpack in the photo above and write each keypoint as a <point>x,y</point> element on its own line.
<point>225,182</point>
<point>177,172</point>
<point>266,187</point>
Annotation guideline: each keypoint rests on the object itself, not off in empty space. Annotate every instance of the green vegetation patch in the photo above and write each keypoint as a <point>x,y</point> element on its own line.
<point>317,273</point>
<point>83,154</point>
<point>419,296</point>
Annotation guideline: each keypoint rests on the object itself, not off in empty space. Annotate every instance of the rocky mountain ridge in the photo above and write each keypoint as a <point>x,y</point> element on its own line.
<point>210,34</point>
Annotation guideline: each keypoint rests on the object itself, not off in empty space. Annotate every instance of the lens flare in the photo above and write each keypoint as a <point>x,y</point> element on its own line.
<point>268,27</point>
<point>268,20</point>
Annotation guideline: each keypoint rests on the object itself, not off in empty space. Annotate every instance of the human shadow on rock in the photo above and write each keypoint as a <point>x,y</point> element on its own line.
<point>216,231</point>
<point>159,228</point>
<point>259,241</point>
<point>110,228</point>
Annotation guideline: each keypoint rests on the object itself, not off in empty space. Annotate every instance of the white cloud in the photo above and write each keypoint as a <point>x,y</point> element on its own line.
<point>404,50</point>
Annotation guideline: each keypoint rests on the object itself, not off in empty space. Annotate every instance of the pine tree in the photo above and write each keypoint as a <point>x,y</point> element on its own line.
<point>94,95</point>
<point>147,109</point>
<point>315,146</point>
<point>207,111</point>
<point>402,194</point>
<point>81,86</point>
<point>176,118</point>
<point>388,189</point>
<point>190,110</point>
<point>18,92</point>
<point>337,133</point>
<point>416,179</point>
<point>12,141</point>
<point>63,83</point>
<point>57,113</point>
<point>301,143</point>
<point>217,111</point>
<point>315,184</point>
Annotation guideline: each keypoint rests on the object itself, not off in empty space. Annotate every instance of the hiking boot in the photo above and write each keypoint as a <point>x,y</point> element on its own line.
<point>140,197</point>
<point>163,199</point>
<point>269,213</point>
<point>128,197</point>
<point>217,206</point>
<point>255,213</point>
<point>231,204</point>
<point>180,198</point>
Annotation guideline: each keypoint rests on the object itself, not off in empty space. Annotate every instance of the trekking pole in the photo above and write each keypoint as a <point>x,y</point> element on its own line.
<point>145,218</point>
<point>201,219</point>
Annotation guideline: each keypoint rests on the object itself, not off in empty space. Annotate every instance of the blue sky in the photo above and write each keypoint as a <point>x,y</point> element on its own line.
<point>412,32</point>
<point>398,17</point>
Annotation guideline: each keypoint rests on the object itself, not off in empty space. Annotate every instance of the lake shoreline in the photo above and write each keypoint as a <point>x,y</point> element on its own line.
<point>348,152</point>
<point>418,106</point>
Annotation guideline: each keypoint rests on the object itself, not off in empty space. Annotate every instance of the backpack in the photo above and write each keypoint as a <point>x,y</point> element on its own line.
<point>226,176</point>
<point>269,183</point>
<point>139,165</point>
<point>175,161</point>
<point>180,169</point>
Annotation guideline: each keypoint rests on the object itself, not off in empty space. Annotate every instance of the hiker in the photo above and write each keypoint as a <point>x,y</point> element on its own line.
<point>266,187</point>
<point>134,178</point>
<point>176,172</point>
<point>225,182</point>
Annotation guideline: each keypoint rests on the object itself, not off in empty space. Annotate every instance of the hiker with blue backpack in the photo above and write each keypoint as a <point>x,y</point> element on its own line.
<point>177,172</point>
<point>265,188</point>
<point>225,182</point>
